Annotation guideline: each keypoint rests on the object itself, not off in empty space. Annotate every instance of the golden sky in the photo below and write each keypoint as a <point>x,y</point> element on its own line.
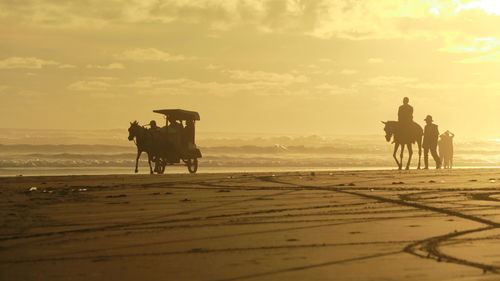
<point>329,67</point>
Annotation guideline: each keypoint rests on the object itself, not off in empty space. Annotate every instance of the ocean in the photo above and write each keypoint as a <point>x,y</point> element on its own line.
<point>66,152</point>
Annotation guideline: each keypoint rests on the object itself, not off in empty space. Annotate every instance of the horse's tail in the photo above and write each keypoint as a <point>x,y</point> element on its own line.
<point>418,134</point>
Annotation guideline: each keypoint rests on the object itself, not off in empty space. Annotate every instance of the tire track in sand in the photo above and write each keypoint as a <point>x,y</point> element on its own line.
<point>429,245</point>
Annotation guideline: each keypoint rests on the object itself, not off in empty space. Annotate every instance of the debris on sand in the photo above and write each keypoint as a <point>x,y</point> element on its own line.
<point>223,190</point>
<point>33,188</point>
<point>196,250</point>
<point>351,184</point>
<point>116,196</point>
<point>313,174</point>
<point>432,181</point>
<point>398,182</point>
<point>185,200</point>
<point>472,180</point>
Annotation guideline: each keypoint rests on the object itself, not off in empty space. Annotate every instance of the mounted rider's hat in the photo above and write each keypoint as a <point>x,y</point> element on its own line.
<point>428,118</point>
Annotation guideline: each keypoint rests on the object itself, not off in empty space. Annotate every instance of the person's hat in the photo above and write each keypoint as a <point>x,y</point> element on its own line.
<point>428,118</point>
<point>152,122</point>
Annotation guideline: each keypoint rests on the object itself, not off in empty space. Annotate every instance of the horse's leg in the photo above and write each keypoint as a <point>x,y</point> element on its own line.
<point>396,147</point>
<point>410,153</point>
<point>149,163</point>
<point>419,143</point>
<point>137,160</point>
<point>401,156</point>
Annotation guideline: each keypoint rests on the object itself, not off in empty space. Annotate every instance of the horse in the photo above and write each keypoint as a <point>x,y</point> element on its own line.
<point>143,141</point>
<point>404,137</point>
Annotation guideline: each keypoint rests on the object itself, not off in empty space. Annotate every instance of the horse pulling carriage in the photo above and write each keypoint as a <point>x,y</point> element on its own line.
<point>169,145</point>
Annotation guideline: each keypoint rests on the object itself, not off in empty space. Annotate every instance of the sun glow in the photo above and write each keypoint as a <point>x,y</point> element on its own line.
<point>491,7</point>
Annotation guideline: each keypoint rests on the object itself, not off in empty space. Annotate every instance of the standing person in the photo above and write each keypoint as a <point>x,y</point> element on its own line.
<point>443,153</point>
<point>431,135</point>
<point>446,149</point>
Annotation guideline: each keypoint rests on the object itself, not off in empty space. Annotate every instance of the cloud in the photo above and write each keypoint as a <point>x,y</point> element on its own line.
<point>109,66</point>
<point>381,81</point>
<point>30,63</point>
<point>263,76</point>
<point>25,62</point>
<point>89,85</point>
<point>184,86</point>
<point>348,72</point>
<point>322,18</point>
<point>149,54</point>
<point>475,45</point>
<point>489,58</point>
<point>455,86</point>
<point>375,60</point>
<point>66,66</point>
<point>331,89</point>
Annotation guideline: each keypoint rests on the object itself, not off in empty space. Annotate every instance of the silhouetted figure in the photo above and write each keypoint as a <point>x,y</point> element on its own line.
<point>188,134</point>
<point>405,121</point>
<point>405,112</point>
<point>446,149</point>
<point>174,126</point>
<point>431,135</point>
<point>174,130</point>
<point>153,126</point>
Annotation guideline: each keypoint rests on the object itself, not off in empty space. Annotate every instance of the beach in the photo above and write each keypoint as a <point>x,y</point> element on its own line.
<point>309,225</point>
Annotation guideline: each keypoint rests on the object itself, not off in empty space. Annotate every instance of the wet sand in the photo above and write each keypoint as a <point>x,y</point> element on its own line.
<point>342,225</point>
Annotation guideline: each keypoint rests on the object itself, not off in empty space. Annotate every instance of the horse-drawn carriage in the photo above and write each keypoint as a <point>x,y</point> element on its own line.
<point>169,145</point>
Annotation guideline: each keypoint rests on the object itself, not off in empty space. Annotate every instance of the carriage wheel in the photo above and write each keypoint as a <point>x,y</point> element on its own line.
<point>160,166</point>
<point>192,165</point>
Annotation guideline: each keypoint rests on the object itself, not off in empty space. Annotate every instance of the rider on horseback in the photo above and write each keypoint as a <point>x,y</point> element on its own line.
<point>405,112</point>
<point>405,119</point>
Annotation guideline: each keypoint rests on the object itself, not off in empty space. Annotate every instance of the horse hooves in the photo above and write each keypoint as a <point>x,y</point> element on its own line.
<point>136,171</point>
<point>407,168</point>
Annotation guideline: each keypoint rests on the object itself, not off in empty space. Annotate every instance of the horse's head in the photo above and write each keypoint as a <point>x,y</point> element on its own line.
<point>389,131</point>
<point>133,130</point>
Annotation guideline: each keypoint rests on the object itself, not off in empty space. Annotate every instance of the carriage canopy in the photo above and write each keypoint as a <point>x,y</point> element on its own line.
<point>179,114</point>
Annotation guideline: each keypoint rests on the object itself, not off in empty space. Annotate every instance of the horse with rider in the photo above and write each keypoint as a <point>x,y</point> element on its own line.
<point>405,132</point>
